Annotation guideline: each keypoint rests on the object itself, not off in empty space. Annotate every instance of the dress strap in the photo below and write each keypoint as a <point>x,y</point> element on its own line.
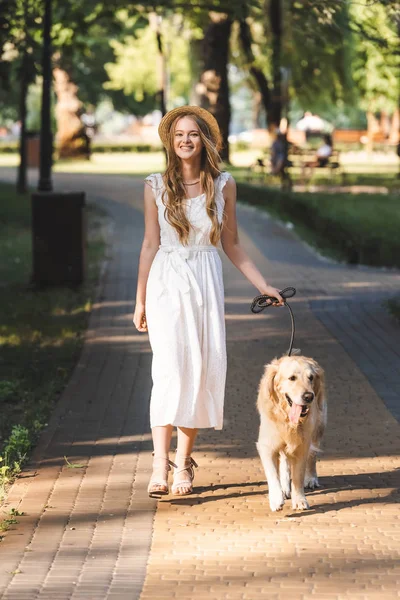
<point>222,179</point>
<point>155,181</point>
<point>152,181</point>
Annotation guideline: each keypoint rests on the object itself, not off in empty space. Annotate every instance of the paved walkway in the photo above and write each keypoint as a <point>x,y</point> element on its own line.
<point>91,532</point>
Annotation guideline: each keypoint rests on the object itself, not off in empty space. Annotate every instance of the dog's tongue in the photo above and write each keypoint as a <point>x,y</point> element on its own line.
<point>295,412</point>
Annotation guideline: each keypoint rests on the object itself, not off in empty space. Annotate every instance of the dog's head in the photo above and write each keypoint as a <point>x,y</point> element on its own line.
<point>294,383</point>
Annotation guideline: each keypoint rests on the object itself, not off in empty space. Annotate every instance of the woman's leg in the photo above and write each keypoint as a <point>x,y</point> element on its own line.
<point>161,443</point>
<point>162,440</point>
<point>186,439</point>
<point>183,475</point>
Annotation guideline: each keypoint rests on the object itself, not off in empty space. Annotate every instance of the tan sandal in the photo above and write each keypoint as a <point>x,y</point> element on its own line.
<point>184,471</point>
<point>158,484</point>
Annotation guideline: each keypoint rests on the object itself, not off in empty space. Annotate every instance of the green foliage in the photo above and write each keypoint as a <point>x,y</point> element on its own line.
<point>16,447</point>
<point>113,147</point>
<point>317,50</point>
<point>101,147</point>
<point>71,465</point>
<point>6,523</point>
<point>7,147</point>
<point>394,308</point>
<point>376,61</point>
<point>131,72</point>
<point>337,52</point>
<point>40,332</point>
<point>135,69</point>
<point>19,50</point>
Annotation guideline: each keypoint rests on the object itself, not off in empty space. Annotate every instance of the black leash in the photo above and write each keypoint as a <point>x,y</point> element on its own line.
<point>263,301</point>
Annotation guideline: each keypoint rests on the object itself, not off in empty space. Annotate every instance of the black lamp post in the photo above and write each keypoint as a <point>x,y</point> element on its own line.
<point>58,218</point>
<point>46,145</point>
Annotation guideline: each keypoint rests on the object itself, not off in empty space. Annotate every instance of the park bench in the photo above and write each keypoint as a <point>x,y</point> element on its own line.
<point>260,170</point>
<point>333,166</point>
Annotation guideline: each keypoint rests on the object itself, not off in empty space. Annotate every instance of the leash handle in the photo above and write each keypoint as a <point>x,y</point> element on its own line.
<point>263,301</point>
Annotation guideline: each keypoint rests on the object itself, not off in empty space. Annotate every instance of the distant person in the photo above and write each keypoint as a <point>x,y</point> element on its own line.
<point>89,121</point>
<point>278,154</point>
<point>324,152</point>
<point>311,124</point>
<point>279,160</point>
<point>322,156</point>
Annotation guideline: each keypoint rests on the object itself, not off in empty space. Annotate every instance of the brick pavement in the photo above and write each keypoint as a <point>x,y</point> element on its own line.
<point>87,532</point>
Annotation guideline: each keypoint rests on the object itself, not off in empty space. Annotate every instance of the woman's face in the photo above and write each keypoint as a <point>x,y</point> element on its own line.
<point>187,140</point>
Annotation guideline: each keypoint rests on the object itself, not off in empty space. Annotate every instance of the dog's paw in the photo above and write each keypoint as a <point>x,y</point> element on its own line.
<point>286,489</point>
<point>300,503</point>
<point>311,482</point>
<point>276,500</point>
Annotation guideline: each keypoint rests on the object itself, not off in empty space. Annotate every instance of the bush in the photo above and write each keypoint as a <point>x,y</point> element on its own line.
<point>127,147</point>
<point>12,147</point>
<point>8,147</point>
<point>357,228</point>
<point>241,146</point>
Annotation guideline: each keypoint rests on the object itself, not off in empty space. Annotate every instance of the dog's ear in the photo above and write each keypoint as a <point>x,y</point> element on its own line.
<point>267,390</point>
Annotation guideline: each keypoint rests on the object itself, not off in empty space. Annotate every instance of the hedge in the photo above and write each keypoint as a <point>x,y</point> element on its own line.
<point>356,228</point>
<point>12,147</point>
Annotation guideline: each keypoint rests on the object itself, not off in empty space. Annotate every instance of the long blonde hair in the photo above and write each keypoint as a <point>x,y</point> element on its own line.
<point>175,193</point>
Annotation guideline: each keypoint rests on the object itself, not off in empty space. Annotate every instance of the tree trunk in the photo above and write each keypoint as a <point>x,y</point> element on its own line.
<point>275,20</point>
<point>195,57</point>
<point>45,183</point>
<point>72,140</point>
<point>398,96</point>
<point>155,22</point>
<point>214,90</point>
<point>395,127</point>
<point>384,124</point>
<point>21,175</point>
<point>255,71</point>
<point>256,110</point>
<point>373,128</point>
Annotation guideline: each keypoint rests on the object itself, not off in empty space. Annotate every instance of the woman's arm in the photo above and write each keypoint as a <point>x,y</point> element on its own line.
<point>234,251</point>
<point>151,242</point>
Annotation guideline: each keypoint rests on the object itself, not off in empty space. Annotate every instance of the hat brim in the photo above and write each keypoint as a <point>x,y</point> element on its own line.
<point>166,122</point>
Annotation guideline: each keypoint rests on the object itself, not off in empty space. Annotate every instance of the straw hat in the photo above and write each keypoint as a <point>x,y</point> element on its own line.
<point>181,111</point>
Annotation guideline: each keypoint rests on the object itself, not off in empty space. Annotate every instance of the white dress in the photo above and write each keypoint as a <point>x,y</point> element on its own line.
<point>185,318</point>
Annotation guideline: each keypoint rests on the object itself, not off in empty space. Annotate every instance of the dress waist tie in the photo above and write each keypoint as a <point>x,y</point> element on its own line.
<point>183,275</point>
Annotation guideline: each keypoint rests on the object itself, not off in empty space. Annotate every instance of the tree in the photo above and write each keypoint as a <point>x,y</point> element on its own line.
<point>143,81</point>
<point>303,39</point>
<point>214,90</point>
<point>376,61</point>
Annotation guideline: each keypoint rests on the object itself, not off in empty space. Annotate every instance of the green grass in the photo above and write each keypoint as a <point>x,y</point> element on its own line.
<point>40,331</point>
<point>356,228</point>
<point>359,168</point>
<point>394,308</point>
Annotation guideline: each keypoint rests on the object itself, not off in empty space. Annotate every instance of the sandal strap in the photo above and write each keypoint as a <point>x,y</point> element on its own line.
<point>159,478</point>
<point>188,467</point>
<point>164,458</point>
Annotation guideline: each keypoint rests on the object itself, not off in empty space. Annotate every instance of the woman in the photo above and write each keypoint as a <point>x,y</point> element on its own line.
<point>180,297</point>
<point>322,156</point>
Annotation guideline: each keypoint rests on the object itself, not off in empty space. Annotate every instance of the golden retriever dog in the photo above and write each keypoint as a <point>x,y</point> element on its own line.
<point>293,410</point>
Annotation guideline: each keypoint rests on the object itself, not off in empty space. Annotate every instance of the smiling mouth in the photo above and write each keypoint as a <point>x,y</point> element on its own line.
<point>304,410</point>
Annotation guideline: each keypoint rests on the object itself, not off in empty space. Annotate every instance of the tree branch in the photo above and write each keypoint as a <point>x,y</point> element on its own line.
<point>256,72</point>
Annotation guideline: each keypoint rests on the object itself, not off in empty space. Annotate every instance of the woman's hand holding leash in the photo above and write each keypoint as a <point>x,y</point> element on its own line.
<point>273,295</point>
<point>139,318</point>
<point>265,300</point>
